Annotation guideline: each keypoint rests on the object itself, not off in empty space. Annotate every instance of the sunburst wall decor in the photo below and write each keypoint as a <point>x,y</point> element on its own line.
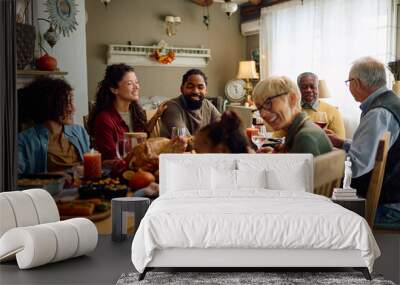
<point>62,15</point>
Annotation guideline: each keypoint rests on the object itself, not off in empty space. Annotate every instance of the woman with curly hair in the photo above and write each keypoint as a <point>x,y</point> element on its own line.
<point>54,144</point>
<point>224,136</point>
<point>117,110</point>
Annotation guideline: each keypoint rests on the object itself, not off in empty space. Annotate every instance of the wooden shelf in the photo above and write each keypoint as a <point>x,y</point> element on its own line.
<point>33,72</point>
<point>141,55</point>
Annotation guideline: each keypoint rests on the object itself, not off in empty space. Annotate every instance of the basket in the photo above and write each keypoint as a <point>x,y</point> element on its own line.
<point>26,36</point>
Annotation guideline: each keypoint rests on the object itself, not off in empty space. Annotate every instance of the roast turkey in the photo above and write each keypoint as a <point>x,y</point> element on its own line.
<point>146,154</point>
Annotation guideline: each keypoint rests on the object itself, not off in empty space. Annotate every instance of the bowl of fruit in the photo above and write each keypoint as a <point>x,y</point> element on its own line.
<point>114,191</point>
<point>102,188</point>
<point>90,190</point>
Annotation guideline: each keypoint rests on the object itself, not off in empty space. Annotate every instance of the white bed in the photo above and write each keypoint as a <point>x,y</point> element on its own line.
<point>241,224</point>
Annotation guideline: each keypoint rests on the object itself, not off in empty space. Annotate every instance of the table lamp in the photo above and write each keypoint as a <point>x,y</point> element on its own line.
<point>247,71</point>
<point>323,89</point>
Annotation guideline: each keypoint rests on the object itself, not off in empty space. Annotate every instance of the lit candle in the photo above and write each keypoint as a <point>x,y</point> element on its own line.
<point>251,132</point>
<point>92,164</point>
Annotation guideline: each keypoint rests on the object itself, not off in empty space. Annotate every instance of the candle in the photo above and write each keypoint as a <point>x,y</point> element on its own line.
<point>251,132</point>
<point>92,164</point>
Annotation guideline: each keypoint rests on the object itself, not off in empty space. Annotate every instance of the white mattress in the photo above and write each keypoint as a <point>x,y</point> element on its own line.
<point>251,219</point>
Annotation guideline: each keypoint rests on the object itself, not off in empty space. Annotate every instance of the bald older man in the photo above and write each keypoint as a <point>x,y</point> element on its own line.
<point>380,113</point>
<point>311,104</point>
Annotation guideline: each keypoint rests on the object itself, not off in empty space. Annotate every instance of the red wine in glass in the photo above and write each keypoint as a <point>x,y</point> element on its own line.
<point>321,124</point>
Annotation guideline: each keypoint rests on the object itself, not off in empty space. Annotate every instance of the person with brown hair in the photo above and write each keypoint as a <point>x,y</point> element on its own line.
<point>117,110</point>
<point>224,136</point>
<point>54,144</point>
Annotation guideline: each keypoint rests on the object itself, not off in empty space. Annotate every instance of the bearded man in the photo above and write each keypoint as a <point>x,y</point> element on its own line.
<point>190,109</point>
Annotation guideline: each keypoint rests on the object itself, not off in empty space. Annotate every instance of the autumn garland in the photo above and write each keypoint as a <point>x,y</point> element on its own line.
<point>163,59</point>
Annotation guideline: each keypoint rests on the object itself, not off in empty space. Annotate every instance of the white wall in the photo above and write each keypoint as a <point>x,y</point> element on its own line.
<point>70,53</point>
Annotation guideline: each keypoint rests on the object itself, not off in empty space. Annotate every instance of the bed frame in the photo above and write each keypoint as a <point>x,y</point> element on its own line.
<point>250,258</point>
<point>243,259</point>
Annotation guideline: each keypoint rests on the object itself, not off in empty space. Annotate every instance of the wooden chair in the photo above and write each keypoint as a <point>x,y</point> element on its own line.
<point>328,172</point>
<point>375,185</point>
<point>85,125</point>
<point>157,128</point>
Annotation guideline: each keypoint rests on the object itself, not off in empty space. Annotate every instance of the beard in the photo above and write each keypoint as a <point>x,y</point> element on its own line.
<point>193,104</point>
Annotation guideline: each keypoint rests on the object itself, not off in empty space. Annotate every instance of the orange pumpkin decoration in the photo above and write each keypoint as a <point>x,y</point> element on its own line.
<point>141,179</point>
<point>46,63</point>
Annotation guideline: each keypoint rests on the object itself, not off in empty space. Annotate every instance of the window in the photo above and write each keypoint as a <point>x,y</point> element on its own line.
<point>325,37</point>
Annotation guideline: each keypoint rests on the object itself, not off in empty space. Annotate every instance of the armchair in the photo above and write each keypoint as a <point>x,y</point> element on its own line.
<point>32,233</point>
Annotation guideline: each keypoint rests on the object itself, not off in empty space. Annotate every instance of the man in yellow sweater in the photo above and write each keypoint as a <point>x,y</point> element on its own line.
<point>311,104</point>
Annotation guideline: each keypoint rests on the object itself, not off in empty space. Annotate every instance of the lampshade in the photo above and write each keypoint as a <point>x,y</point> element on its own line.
<point>323,89</point>
<point>247,70</point>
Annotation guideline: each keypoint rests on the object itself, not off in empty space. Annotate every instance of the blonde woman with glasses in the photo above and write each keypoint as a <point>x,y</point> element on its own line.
<point>278,100</point>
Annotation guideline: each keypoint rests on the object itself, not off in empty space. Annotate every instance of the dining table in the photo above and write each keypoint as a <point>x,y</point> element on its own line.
<point>102,223</point>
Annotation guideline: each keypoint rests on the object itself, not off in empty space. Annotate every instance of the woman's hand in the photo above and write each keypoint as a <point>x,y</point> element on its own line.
<point>336,141</point>
<point>266,149</point>
<point>279,148</point>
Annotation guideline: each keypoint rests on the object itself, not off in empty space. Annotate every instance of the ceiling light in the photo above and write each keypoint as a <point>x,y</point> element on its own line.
<point>229,8</point>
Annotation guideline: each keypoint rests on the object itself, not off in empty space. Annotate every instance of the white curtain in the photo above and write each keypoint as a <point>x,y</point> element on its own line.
<point>325,37</point>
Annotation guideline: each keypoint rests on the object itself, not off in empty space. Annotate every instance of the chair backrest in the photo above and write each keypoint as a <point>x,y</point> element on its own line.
<point>86,126</point>
<point>157,128</point>
<point>328,172</point>
<point>85,120</point>
<point>375,184</point>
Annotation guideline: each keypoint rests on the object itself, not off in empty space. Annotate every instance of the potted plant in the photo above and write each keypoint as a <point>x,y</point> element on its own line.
<point>394,67</point>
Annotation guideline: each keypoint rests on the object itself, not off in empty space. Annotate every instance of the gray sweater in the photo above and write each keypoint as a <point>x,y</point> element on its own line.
<point>179,115</point>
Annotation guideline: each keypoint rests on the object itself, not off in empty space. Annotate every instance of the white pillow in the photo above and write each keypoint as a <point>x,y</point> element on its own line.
<point>251,178</point>
<point>290,181</point>
<point>224,179</point>
<point>183,177</point>
<point>282,173</point>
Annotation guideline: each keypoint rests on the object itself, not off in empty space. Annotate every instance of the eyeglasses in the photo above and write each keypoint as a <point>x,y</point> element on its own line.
<point>268,102</point>
<point>347,82</point>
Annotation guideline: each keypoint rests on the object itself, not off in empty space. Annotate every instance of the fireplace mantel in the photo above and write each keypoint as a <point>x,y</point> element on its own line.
<point>26,76</point>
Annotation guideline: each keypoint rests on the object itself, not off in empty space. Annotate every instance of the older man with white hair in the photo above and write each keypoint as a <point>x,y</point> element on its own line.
<point>380,112</point>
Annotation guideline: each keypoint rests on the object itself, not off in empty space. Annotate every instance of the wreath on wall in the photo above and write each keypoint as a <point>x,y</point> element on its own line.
<point>165,58</point>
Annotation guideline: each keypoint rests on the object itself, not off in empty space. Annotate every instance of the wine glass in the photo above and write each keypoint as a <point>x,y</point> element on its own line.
<point>259,140</point>
<point>321,119</point>
<point>179,132</point>
<point>263,132</point>
<point>124,146</point>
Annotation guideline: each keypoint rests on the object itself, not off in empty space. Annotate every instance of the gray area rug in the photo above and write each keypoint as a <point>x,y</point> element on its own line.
<point>229,278</point>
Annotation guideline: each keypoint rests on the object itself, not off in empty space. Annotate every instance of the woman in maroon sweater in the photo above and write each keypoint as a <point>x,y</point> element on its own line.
<point>117,110</point>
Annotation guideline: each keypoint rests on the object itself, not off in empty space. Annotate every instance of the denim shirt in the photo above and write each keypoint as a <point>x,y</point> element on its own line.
<point>33,146</point>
